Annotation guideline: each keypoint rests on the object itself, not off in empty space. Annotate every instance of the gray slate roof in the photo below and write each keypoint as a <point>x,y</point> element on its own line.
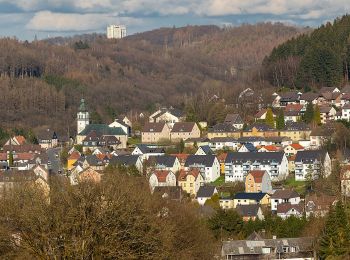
<point>102,129</point>
<point>206,160</point>
<point>263,157</point>
<point>233,119</point>
<point>205,191</point>
<point>165,160</point>
<point>126,160</point>
<point>222,128</point>
<point>309,156</point>
<point>248,210</point>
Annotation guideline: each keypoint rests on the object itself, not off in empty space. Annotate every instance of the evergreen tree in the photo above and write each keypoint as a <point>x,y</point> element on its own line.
<point>280,120</point>
<point>269,118</point>
<point>309,113</point>
<point>317,115</point>
<point>335,240</point>
<point>11,159</point>
<point>181,146</point>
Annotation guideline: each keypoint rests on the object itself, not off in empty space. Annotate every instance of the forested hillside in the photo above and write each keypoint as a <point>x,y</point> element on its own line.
<point>42,81</point>
<point>313,60</point>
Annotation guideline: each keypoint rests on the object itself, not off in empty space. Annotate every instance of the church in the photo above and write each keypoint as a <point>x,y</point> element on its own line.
<point>91,136</point>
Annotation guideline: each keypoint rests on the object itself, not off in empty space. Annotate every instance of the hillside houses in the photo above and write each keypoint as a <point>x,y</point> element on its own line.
<point>312,164</point>
<point>238,165</point>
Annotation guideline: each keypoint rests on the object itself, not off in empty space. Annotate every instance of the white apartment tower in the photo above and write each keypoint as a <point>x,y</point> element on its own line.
<point>116,31</point>
<point>83,118</point>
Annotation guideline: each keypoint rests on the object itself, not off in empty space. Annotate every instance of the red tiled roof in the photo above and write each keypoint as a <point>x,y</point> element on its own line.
<point>3,156</point>
<point>181,156</point>
<point>74,156</point>
<point>294,107</point>
<point>183,174</point>
<point>271,148</point>
<point>260,113</point>
<point>257,175</point>
<point>222,157</point>
<point>23,156</point>
<point>297,146</point>
<point>20,139</point>
<point>161,175</point>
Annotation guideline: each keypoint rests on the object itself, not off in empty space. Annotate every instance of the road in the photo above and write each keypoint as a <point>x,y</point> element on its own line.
<point>54,160</point>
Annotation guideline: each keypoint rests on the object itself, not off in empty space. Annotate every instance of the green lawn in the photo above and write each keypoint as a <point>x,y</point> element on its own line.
<point>298,186</point>
<point>134,140</point>
<point>219,181</point>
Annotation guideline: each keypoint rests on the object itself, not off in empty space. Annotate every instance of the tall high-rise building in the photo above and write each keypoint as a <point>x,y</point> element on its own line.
<point>116,31</point>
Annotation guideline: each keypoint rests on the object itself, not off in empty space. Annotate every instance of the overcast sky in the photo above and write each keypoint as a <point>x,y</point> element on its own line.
<point>47,18</point>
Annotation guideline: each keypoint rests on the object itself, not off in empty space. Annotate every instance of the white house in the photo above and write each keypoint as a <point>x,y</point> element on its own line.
<point>345,112</point>
<point>169,116</point>
<point>204,193</point>
<point>162,178</point>
<point>284,196</point>
<point>312,164</point>
<point>238,165</point>
<point>146,151</point>
<point>219,143</point>
<point>122,125</point>
<point>167,162</point>
<point>286,210</point>
<point>208,166</point>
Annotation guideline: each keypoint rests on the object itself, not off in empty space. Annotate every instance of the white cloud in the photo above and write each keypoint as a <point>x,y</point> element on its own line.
<point>49,21</point>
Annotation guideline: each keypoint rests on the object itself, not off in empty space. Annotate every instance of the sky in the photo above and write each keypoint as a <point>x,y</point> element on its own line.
<point>49,18</point>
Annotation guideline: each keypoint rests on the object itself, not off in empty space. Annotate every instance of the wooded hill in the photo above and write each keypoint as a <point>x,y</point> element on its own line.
<point>43,81</point>
<point>318,59</point>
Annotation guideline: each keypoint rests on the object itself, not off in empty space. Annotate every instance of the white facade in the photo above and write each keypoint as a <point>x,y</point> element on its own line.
<point>237,171</point>
<point>116,31</point>
<point>219,145</point>
<point>209,174</point>
<point>170,180</point>
<point>315,168</point>
<point>83,120</point>
<point>276,201</point>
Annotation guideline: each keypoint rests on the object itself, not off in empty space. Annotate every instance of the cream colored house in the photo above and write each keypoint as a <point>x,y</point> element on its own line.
<point>345,181</point>
<point>184,131</point>
<point>155,132</point>
<point>190,181</point>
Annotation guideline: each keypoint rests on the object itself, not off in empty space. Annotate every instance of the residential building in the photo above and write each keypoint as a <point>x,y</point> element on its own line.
<point>247,148</point>
<point>320,135</point>
<point>345,181</point>
<point>223,130</point>
<point>286,210</point>
<point>208,166</point>
<point>259,130</point>
<point>221,143</point>
<point>312,164</point>
<point>47,139</point>
<point>95,139</point>
<point>261,115</point>
<point>89,175</point>
<point>308,97</point>
<point>292,149</point>
<point>120,123</point>
<point>146,151</point>
<point>269,149</point>
<point>184,130</point>
<point>296,131</point>
<point>190,181</point>
<point>276,248</point>
<point>250,212</point>
<point>249,198</point>
<point>204,150</point>
<point>226,202</point>
<point>238,165</point>
<point>258,181</point>
<point>234,120</point>
<point>155,132</point>
<point>169,116</point>
<point>284,196</point>
<point>196,142</point>
<point>166,162</point>
<point>162,178</point>
<point>345,112</point>
<point>327,113</point>
<point>318,206</point>
<point>73,157</point>
<point>16,140</point>
<point>204,193</point>
<point>116,31</point>
<point>127,161</point>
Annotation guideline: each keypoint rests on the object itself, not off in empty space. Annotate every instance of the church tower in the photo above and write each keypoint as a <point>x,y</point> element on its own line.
<point>83,117</point>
